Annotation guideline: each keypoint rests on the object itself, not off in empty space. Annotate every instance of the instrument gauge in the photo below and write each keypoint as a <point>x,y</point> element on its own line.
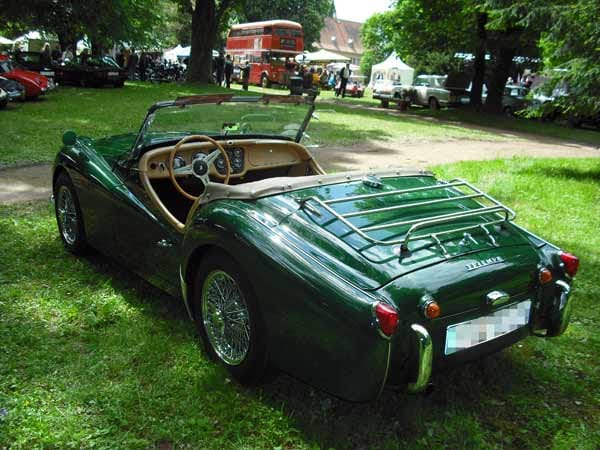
<point>178,162</point>
<point>237,153</point>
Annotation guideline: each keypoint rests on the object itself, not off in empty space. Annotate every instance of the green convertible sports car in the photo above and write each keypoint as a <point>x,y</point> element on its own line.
<point>349,281</point>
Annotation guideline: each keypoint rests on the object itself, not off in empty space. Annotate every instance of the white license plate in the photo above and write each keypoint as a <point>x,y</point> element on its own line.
<point>465,100</point>
<point>467,334</point>
<point>47,74</point>
<point>113,74</point>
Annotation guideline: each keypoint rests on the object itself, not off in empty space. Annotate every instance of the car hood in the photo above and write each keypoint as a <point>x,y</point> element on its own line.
<point>309,226</point>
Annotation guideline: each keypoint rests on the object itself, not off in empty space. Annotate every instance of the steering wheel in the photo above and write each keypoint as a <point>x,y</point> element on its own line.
<point>199,166</point>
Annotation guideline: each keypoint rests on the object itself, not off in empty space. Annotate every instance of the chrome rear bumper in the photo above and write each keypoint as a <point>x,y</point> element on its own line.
<point>424,358</point>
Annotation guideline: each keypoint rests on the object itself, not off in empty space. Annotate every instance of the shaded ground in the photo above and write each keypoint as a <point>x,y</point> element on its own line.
<point>33,181</point>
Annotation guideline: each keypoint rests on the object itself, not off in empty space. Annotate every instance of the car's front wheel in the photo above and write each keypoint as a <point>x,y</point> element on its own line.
<point>68,215</point>
<point>228,319</point>
<point>434,104</point>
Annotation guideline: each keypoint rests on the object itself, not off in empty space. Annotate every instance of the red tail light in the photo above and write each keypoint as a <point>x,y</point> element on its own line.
<point>571,263</point>
<point>387,318</point>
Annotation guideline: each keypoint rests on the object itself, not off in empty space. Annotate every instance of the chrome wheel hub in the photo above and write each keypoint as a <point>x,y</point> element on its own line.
<point>225,317</point>
<point>67,215</point>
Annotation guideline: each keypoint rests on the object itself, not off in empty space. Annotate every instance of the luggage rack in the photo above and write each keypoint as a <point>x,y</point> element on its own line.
<point>502,213</point>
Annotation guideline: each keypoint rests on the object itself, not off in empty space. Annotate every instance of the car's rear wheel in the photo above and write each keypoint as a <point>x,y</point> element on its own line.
<point>228,319</point>
<point>508,111</point>
<point>68,215</point>
<point>434,104</point>
<point>385,103</point>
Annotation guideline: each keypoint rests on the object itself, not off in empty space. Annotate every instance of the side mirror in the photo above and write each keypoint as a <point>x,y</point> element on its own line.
<point>69,138</point>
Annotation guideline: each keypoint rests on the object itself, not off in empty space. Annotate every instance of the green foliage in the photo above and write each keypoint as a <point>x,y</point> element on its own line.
<point>310,13</point>
<point>103,21</point>
<point>570,41</point>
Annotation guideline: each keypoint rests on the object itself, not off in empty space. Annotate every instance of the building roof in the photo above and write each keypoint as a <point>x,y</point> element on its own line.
<point>341,36</point>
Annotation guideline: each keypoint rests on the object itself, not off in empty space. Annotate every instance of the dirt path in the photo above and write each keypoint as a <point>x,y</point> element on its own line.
<point>33,182</point>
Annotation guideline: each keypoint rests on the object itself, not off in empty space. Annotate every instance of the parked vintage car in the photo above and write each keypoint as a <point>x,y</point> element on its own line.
<point>15,90</point>
<point>514,99</point>
<point>434,92</point>
<point>32,61</point>
<point>354,87</point>
<point>3,98</point>
<point>91,72</point>
<point>34,83</point>
<point>391,90</point>
<point>350,281</point>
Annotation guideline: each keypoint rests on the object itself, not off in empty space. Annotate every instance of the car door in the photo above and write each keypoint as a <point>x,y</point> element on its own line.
<point>143,239</point>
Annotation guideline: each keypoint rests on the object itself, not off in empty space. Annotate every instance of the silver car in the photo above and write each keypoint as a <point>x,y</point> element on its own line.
<point>431,91</point>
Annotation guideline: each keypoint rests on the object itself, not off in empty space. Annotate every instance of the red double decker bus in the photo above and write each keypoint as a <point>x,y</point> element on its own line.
<point>269,47</point>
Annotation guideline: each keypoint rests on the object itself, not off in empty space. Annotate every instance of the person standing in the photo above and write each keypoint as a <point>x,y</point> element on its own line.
<point>228,70</point>
<point>220,68</point>
<point>46,55</point>
<point>245,76</point>
<point>67,54</point>
<point>144,63</point>
<point>132,64</point>
<point>344,76</point>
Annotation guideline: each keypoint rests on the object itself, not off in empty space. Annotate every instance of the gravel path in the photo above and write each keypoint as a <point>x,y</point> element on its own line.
<point>33,182</point>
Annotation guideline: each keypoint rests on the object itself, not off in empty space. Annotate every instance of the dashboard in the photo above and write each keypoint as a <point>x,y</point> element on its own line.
<point>244,156</point>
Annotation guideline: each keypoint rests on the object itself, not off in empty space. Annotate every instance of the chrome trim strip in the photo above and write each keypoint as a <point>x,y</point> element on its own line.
<point>425,358</point>
<point>184,294</point>
<point>387,369</point>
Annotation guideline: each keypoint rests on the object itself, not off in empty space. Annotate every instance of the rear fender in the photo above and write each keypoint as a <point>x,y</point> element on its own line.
<point>319,327</point>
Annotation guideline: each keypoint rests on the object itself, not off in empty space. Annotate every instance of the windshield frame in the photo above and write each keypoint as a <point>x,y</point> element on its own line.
<point>138,148</point>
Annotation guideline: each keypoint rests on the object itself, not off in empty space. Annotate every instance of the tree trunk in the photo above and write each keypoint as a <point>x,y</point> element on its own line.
<point>204,35</point>
<point>479,62</point>
<point>504,61</point>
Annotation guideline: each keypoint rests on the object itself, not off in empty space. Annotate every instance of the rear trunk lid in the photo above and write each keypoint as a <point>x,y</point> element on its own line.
<point>373,231</point>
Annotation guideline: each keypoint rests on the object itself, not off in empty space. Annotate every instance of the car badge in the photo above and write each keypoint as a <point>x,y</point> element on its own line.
<point>486,262</point>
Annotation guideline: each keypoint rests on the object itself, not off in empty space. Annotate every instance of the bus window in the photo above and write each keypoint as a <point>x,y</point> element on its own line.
<point>281,32</point>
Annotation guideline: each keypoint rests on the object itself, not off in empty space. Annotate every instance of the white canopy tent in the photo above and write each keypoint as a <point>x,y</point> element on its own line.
<point>5,41</point>
<point>393,68</point>
<point>181,52</point>
<point>320,56</point>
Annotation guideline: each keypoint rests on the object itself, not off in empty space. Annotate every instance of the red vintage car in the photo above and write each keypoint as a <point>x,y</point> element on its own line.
<point>34,83</point>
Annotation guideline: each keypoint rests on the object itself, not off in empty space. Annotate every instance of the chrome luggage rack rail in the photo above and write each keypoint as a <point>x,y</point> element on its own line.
<point>499,213</point>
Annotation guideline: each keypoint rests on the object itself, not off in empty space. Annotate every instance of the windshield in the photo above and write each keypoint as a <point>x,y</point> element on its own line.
<point>247,117</point>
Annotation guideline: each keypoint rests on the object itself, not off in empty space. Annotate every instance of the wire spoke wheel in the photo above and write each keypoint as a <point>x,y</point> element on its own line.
<point>225,317</point>
<point>67,215</point>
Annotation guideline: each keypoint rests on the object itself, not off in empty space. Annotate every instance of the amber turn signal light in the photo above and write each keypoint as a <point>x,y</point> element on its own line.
<point>545,276</point>
<point>431,309</point>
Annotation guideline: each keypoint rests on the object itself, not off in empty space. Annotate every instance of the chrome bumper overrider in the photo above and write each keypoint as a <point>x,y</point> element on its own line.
<point>564,307</point>
<point>424,358</point>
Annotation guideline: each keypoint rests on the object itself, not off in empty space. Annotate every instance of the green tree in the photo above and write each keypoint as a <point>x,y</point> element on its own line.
<point>309,13</point>
<point>570,44</point>
<point>428,33</point>
<point>102,21</point>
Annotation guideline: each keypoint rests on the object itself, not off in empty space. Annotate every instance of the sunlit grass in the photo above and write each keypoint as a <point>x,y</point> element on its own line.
<point>92,356</point>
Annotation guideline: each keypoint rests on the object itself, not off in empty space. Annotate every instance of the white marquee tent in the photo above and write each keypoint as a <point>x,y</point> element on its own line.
<point>393,68</point>
<point>320,56</point>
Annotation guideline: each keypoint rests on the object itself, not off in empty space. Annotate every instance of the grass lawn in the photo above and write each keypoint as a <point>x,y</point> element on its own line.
<point>91,356</point>
<point>31,131</point>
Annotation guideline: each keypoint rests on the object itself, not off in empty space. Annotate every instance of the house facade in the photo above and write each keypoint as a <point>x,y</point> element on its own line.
<point>342,37</point>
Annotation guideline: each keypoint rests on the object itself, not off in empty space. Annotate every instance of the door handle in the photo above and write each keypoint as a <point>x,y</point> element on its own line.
<point>164,243</point>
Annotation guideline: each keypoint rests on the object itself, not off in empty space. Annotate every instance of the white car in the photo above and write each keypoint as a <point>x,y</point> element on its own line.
<point>391,90</point>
